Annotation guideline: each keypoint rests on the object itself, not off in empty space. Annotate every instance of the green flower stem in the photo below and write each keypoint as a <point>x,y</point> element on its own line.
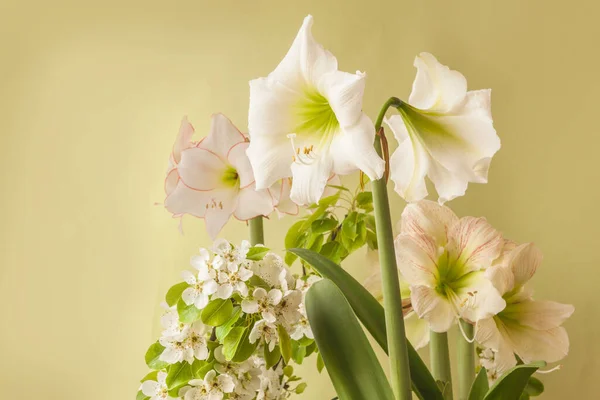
<point>392,301</point>
<point>466,361</point>
<point>257,235</point>
<point>440,361</point>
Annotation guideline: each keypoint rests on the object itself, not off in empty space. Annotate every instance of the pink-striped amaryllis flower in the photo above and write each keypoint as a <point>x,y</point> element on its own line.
<point>212,179</point>
<point>306,121</point>
<point>444,260</point>
<point>528,328</point>
<point>444,132</point>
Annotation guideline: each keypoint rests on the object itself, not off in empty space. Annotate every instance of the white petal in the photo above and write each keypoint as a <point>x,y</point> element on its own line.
<point>417,330</point>
<point>344,91</point>
<point>186,131</point>
<point>275,296</point>
<point>226,383</point>
<point>436,87</point>
<point>189,295</point>
<point>223,135</point>
<point>429,219</point>
<point>501,277</point>
<point>149,388</point>
<point>417,264</point>
<point>428,304</point>
<point>270,156</point>
<point>474,244</point>
<point>531,345</point>
<point>408,166</point>
<point>201,351</point>
<point>224,291</point>
<point>170,355</point>
<point>523,262</point>
<point>252,203</point>
<point>448,185</point>
<point>259,293</point>
<point>201,301</point>
<point>249,306</point>
<point>237,157</point>
<point>184,200</point>
<point>245,274</point>
<point>540,315</point>
<point>476,298</point>
<point>487,334</point>
<point>188,276</point>
<point>219,356</point>
<point>269,316</point>
<point>201,169</point>
<point>209,287</point>
<point>281,194</point>
<point>309,180</point>
<point>352,149</point>
<point>222,206</point>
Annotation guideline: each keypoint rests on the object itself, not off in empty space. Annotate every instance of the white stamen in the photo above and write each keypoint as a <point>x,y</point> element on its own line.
<point>464,334</point>
<point>559,366</point>
<point>306,155</point>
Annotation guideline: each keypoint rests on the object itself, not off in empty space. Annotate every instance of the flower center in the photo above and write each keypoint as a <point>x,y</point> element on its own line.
<point>231,177</point>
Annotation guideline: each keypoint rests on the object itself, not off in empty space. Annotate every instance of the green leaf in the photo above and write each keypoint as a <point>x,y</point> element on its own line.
<point>288,370</point>
<point>257,253</point>
<point>364,200</point>
<point>480,386</point>
<point>223,330</point>
<point>232,342</point>
<point>534,387</point>
<point>153,357</point>
<point>323,225</point>
<point>217,312</point>
<point>349,226</point>
<point>285,344</point>
<point>343,188</point>
<point>372,240</point>
<point>200,368</point>
<point>320,363</point>
<point>513,382</point>
<point>174,293</point>
<point>351,362</point>
<point>300,388</point>
<point>298,352</point>
<point>272,357</point>
<point>152,376</point>
<point>188,314</point>
<point>257,281</point>
<point>245,348</point>
<point>334,251</point>
<point>315,242</point>
<point>179,374</point>
<point>141,396</point>
<point>295,237</point>
<point>524,396</point>
<point>371,314</point>
<point>311,348</point>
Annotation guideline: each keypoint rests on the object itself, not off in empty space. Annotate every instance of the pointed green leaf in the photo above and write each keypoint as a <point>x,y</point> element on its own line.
<point>174,293</point>
<point>217,312</point>
<point>320,363</point>
<point>200,368</point>
<point>323,225</point>
<point>271,357</point>
<point>179,374</point>
<point>188,314</point>
<point>141,396</point>
<point>223,330</point>
<point>232,342</point>
<point>480,386</point>
<point>371,314</point>
<point>513,382</point>
<point>257,253</point>
<point>285,344</point>
<point>298,352</point>
<point>534,387</point>
<point>153,357</point>
<point>152,376</point>
<point>351,362</point>
<point>245,348</point>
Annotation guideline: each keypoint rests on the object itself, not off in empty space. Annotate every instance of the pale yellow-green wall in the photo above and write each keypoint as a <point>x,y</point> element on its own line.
<point>91,94</point>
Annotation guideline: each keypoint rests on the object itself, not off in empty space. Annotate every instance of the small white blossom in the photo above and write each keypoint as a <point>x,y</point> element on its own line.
<point>302,327</point>
<point>264,303</point>
<point>157,390</point>
<point>288,310</point>
<point>212,387</point>
<point>203,284</point>
<point>271,385</point>
<point>228,254</point>
<point>267,331</point>
<point>272,270</point>
<point>233,279</point>
<point>190,344</point>
<point>170,322</point>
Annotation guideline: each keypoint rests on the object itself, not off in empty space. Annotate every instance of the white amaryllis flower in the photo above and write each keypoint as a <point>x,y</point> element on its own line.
<point>443,259</point>
<point>187,346</point>
<point>213,179</point>
<point>264,329</point>
<point>306,121</point>
<point>157,390</point>
<point>263,302</point>
<point>202,284</point>
<point>444,132</point>
<point>212,387</point>
<point>530,328</point>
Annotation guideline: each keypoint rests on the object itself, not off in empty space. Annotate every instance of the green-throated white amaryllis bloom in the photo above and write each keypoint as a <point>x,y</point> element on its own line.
<point>213,179</point>
<point>444,132</point>
<point>443,259</point>
<point>526,327</point>
<point>306,121</point>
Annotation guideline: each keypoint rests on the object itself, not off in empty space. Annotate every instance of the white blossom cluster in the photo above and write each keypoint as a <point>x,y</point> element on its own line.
<point>270,305</point>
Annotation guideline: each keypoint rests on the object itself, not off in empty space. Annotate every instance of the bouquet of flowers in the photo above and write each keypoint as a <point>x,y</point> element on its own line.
<point>242,318</point>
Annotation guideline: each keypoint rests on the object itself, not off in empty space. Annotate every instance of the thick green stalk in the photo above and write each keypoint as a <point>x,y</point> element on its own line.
<point>440,361</point>
<point>392,301</point>
<point>257,235</point>
<point>466,361</point>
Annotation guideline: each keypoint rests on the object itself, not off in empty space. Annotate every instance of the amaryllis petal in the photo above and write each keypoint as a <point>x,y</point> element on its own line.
<point>236,156</point>
<point>184,138</point>
<point>417,330</point>
<point>476,298</point>
<point>201,169</point>
<point>530,344</point>
<point>474,243</point>
<point>538,314</point>
<point>253,202</point>
<point>220,208</point>
<point>427,218</point>
<point>223,135</point>
<point>523,262</point>
<point>416,263</point>
<point>271,158</point>
<point>428,304</point>
<point>184,200</point>
<point>309,180</point>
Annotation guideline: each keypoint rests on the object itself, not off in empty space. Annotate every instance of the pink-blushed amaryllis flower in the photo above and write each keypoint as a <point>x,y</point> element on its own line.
<point>444,132</point>
<point>306,121</point>
<point>526,327</point>
<point>443,259</point>
<point>213,179</point>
